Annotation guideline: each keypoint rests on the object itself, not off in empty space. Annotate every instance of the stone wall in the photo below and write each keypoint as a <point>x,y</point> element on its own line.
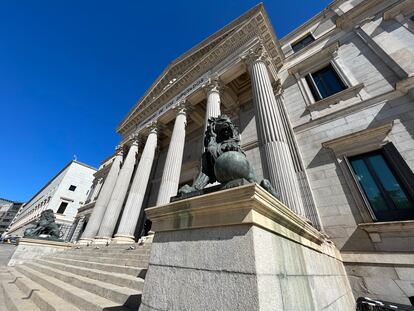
<point>377,54</point>
<point>379,281</point>
<point>241,249</point>
<point>220,267</point>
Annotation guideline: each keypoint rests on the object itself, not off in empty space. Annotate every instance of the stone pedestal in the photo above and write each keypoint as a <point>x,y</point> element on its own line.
<point>29,249</point>
<point>241,249</point>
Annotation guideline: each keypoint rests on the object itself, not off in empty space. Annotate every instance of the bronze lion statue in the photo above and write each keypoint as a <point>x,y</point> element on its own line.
<point>223,159</point>
<point>46,225</point>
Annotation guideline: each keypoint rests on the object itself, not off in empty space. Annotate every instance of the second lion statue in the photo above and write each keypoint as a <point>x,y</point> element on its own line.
<point>223,159</point>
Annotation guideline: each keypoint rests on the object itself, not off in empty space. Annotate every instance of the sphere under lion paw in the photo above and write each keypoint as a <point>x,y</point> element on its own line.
<point>231,165</point>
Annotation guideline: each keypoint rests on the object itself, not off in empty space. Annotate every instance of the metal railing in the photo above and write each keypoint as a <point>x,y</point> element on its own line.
<point>66,231</point>
<point>368,304</point>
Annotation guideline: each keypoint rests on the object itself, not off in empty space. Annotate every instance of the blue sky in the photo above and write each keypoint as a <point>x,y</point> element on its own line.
<point>71,70</point>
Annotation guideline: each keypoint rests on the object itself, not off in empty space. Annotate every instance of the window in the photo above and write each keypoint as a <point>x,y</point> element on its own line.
<point>62,207</point>
<point>412,18</point>
<point>72,188</point>
<point>384,188</point>
<point>298,45</point>
<point>325,82</point>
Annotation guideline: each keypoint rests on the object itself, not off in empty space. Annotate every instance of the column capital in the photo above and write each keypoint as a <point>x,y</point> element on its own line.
<point>182,106</point>
<point>134,138</point>
<point>256,54</point>
<point>119,149</point>
<point>213,85</point>
<point>153,127</point>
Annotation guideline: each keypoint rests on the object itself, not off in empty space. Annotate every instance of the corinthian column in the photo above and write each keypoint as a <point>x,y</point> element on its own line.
<point>272,137</point>
<point>213,100</point>
<point>102,202</point>
<point>118,196</point>
<point>172,168</point>
<point>97,189</point>
<point>137,191</point>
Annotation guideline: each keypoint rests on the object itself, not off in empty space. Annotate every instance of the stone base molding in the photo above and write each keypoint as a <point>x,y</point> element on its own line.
<point>101,241</point>
<point>241,249</point>
<point>123,239</point>
<point>85,241</point>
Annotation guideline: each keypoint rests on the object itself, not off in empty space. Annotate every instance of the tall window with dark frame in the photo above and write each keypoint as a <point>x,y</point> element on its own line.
<point>62,207</point>
<point>299,45</point>
<point>325,82</point>
<point>386,190</point>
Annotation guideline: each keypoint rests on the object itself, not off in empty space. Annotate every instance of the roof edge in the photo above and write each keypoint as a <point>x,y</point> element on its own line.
<point>258,7</point>
<point>308,22</point>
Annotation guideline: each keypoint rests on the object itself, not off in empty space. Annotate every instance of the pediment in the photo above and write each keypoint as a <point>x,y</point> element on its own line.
<point>195,62</point>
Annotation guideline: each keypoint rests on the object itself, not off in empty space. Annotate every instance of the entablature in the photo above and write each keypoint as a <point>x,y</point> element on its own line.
<point>254,24</point>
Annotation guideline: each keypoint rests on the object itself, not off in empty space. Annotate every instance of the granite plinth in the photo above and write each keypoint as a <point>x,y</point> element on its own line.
<point>29,249</point>
<point>241,249</point>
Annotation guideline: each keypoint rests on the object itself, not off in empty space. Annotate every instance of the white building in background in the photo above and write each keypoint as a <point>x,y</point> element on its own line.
<point>8,209</point>
<point>64,194</point>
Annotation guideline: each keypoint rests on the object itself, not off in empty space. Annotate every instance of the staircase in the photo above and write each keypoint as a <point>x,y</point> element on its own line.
<point>81,278</point>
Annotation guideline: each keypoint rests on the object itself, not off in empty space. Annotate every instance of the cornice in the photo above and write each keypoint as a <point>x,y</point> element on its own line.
<point>322,53</point>
<point>328,12</point>
<point>363,137</point>
<point>399,8</point>
<point>361,11</point>
<point>257,25</point>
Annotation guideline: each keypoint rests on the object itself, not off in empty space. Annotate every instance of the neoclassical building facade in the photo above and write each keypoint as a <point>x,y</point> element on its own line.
<point>325,113</point>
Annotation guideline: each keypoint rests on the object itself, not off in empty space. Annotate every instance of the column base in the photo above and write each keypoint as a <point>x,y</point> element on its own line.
<point>101,241</point>
<point>123,239</point>
<point>84,242</point>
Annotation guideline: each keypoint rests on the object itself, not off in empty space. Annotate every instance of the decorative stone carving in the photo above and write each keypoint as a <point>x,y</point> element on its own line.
<point>223,159</point>
<point>182,107</point>
<point>213,85</point>
<point>118,149</point>
<point>135,139</point>
<point>257,53</point>
<point>45,228</point>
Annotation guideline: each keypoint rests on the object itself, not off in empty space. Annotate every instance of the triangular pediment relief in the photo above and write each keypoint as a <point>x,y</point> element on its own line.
<point>197,61</point>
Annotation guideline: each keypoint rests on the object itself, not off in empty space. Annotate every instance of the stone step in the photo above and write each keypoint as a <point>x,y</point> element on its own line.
<point>110,253</point>
<point>14,299</point>
<point>82,299</point>
<point>134,271</point>
<point>44,299</point>
<point>109,260</point>
<point>112,292</point>
<point>114,246</point>
<point>123,280</point>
